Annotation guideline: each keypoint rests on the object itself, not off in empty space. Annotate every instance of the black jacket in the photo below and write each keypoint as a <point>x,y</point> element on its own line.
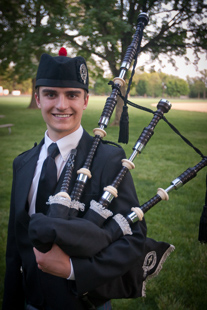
<point>25,282</point>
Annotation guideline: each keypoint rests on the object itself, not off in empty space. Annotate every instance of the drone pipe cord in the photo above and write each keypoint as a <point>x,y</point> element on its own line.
<point>84,173</point>
<point>111,191</point>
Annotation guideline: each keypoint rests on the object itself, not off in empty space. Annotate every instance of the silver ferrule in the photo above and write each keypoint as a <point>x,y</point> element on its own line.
<point>133,217</point>
<point>122,73</point>
<point>174,184</point>
<point>104,121</point>
<point>82,177</point>
<point>107,196</point>
<point>125,64</point>
<point>177,183</point>
<point>133,155</point>
<point>139,146</point>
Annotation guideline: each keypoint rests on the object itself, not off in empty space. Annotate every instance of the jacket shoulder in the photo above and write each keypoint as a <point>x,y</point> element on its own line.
<point>24,156</point>
<point>111,147</point>
<point>104,148</point>
<point>27,151</point>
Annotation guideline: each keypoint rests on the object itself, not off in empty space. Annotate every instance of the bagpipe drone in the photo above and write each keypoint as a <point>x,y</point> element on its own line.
<point>100,226</point>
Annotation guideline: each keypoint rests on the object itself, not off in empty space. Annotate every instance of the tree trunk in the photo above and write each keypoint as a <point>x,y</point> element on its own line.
<point>119,108</point>
<point>118,112</point>
<point>33,104</point>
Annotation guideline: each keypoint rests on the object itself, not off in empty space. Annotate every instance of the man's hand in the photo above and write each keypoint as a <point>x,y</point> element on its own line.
<point>55,262</point>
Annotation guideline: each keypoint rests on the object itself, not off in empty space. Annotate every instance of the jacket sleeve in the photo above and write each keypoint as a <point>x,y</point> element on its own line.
<point>13,288</point>
<point>115,260</point>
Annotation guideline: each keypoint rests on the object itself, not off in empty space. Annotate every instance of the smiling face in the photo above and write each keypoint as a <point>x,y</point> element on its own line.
<point>62,109</point>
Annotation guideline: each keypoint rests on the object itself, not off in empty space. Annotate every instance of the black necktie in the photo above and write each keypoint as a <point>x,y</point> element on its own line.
<point>48,179</point>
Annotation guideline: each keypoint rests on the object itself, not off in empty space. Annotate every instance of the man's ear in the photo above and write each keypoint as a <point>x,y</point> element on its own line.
<point>37,100</point>
<point>86,102</point>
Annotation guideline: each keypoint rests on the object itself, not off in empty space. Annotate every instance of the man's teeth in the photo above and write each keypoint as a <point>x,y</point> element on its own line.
<point>62,115</point>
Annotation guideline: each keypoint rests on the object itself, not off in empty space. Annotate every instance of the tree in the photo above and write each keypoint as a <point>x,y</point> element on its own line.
<point>177,87</point>
<point>154,85</point>
<point>101,86</point>
<point>197,87</point>
<point>101,35</point>
<point>142,87</point>
<point>28,28</point>
<point>204,80</point>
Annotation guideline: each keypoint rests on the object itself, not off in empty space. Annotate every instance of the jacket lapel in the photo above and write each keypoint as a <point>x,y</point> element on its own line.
<point>24,175</point>
<point>26,169</point>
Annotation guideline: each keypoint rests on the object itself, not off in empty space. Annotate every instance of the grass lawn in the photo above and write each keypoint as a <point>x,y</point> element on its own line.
<point>183,280</point>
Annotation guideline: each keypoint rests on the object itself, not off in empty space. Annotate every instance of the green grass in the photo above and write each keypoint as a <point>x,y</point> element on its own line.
<point>182,281</point>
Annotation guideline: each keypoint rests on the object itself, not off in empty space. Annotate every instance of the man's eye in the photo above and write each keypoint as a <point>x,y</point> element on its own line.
<point>72,96</point>
<point>50,95</point>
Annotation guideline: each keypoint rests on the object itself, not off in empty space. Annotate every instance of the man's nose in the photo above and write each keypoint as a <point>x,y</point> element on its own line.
<point>62,102</point>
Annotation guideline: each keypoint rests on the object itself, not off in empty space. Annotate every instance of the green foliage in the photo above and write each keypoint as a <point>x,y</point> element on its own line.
<point>142,87</point>
<point>177,87</point>
<point>9,81</point>
<point>198,86</point>
<point>101,87</point>
<point>181,283</point>
<point>25,34</point>
<point>155,84</point>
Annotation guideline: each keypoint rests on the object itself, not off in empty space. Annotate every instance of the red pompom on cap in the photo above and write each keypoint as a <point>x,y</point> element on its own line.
<point>62,52</point>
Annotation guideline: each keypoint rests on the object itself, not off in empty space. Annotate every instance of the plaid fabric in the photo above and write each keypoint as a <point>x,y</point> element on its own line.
<point>106,306</point>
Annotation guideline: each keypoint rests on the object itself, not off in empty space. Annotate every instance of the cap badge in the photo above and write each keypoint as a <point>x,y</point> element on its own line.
<point>83,73</point>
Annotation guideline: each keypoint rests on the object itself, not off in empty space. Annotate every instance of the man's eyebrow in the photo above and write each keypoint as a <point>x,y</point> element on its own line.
<point>68,92</point>
<point>46,90</point>
<point>73,92</point>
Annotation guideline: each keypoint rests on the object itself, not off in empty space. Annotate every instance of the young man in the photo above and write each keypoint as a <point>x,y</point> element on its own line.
<point>54,280</point>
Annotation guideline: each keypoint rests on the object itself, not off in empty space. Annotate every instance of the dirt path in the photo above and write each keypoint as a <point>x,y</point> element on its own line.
<point>197,107</point>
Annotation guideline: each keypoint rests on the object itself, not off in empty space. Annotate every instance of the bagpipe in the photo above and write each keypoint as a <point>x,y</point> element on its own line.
<point>99,225</point>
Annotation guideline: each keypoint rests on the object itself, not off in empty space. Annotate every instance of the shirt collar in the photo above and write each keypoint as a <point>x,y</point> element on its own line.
<point>67,143</point>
